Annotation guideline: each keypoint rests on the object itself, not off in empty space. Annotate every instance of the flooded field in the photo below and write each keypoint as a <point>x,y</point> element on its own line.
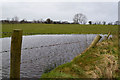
<point>41,53</point>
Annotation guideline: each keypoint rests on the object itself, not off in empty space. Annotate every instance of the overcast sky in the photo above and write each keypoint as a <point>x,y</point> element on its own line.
<point>64,11</point>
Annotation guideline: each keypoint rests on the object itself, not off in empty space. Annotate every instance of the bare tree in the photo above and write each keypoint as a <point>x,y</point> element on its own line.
<point>80,19</point>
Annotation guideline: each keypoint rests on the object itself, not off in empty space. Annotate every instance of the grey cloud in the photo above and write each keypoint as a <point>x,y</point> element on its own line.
<point>61,10</point>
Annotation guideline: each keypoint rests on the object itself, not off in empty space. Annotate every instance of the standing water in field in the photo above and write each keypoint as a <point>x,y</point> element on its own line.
<point>41,53</point>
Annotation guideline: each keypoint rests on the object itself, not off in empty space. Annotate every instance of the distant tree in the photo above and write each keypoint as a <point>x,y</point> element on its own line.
<point>65,22</point>
<point>15,19</point>
<point>23,21</point>
<point>8,19</point>
<point>90,22</point>
<point>49,21</point>
<point>41,20</point>
<point>80,19</point>
<point>34,21</point>
<point>97,22</point>
<point>4,21</point>
<point>110,23</point>
<point>38,21</point>
<point>104,23</point>
<point>12,19</point>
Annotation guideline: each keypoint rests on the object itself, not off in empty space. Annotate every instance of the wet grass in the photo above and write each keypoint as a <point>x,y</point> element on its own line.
<point>32,29</point>
<point>98,62</point>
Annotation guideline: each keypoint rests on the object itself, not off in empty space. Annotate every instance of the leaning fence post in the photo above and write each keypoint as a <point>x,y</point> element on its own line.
<point>95,41</point>
<point>15,55</point>
<point>106,37</point>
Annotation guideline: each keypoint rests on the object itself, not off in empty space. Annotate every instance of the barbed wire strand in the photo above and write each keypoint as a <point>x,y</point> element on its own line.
<point>43,46</point>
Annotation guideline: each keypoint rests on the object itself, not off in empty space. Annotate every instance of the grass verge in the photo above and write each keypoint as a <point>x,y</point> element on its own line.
<point>98,62</point>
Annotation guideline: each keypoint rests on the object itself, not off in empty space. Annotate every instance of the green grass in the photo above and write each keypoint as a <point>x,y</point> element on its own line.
<point>97,62</point>
<point>59,29</point>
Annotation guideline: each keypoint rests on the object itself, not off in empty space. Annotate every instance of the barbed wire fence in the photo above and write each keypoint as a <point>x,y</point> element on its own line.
<point>25,33</point>
<point>37,59</point>
<point>31,48</point>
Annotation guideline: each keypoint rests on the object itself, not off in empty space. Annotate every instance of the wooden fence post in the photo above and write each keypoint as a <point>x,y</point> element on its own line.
<point>106,37</point>
<point>15,55</point>
<point>95,41</point>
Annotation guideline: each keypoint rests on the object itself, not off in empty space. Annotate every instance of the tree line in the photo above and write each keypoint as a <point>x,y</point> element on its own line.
<point>77,19</point>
